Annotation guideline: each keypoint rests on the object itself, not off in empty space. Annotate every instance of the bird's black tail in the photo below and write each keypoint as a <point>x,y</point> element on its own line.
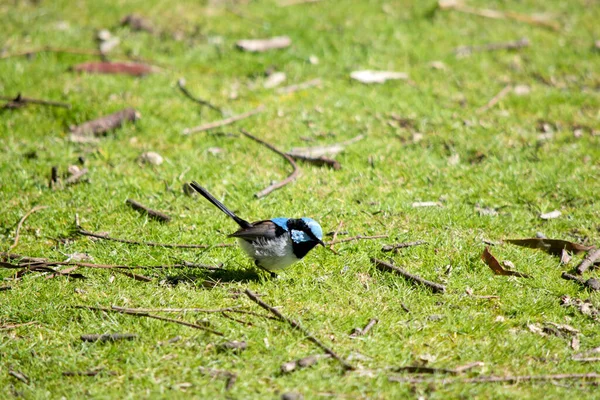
<point>219,205</point>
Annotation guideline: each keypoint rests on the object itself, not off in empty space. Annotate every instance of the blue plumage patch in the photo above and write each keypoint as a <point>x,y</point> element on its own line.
<point>314,227</point>
<point>299,236</point>
<point>281,222</point>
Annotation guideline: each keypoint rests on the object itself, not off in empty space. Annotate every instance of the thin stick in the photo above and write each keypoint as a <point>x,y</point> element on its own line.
<point>282,183</point>
<point>223,122</point>
<point>358,237</point>
<point>298,327</point>
<point>492,378</point>
<point>382,265</point>
<point>20,224</point>
<point>172,310</point>
<point>152,213</point>
<point>20,100</point>
<point>15,326</point>
<point>335,235</point>
<point>158,317</point>
<point>76,177</point>
<point>395,247</point>
<point>361,332</point>
<point>186,92</point>
<point>588,261</point>
<point>515,45</point>
<point>151,244</point>
<point>494,100</point>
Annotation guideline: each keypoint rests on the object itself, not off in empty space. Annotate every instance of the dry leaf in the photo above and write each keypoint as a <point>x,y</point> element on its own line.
<point>551,246</point>
<point>88,131</point>
<point>551,215</point>
<point>108,67</point>
<point>274,80</point>
<point>370,76</point>
<point>151,157</point>
<point>493,263</point>
<point>261,45</point>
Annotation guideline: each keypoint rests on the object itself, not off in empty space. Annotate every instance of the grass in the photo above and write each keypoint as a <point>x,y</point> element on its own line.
<point>502,163</point>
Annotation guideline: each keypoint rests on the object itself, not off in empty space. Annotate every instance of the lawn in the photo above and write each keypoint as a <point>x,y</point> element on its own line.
<point>473,147</point>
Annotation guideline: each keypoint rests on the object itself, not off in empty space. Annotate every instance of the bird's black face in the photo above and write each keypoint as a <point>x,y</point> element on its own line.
<point>306,234</point>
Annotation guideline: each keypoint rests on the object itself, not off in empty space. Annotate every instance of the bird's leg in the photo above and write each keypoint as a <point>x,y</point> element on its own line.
<point>271,273</point>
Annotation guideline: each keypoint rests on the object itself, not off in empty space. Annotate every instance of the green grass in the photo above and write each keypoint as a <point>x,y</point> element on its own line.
<point>329,294</point>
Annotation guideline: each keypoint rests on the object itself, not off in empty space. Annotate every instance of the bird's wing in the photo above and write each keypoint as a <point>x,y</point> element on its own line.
<point>261,229</point>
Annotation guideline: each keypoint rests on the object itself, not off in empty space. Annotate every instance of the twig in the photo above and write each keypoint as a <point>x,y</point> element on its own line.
<point>335,235</point>
<point>92,372</point>
<point>492,378</point>
<point>76,177</point>
<point>358,237</point>
<point>53,177</point>
<point>172,310</point>
<point>494,100</point>
<point>384,266</point>
<point>395,247</point>
<point>158,317</point>
<point>137,277</point>
<point>186,92</point>
<point>299,86</point>
<point>495,14</point>
<point>14,326</point>
<point>247,323</point>
<point>108,337</point>
<point>151,244</point>
<point>282,183</point>
<point>223,122</point>
<point>18,101</point>
<point>19,375</point>
<point>592,283</point>
<point>588,261</point>
<point>514,45</point>
<point>298,327</point>
<point>361,332</point>
<point>318,161</point>
<point>20,224</point>
<point>151,213</point>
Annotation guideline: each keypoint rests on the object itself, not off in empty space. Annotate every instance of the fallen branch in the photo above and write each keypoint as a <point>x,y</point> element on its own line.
<point>20,224</point>
<point>384,266</point>
<point>397,246</point>
<point>299,86</point>
<point>282,183</point>
<point>186,92</point>
<point>494,100</point>
<point>160,216</point>
<point>298,327</point>
<point>151,244</point>
<point>158,317</point>
<point>592,283</point>
<point>223,122</point>
<point>495,14</point>
<point>492,378</point>
<point>357,237</point>
<point>20,101</point>
<point>514,45</point>
<point>588,261</point>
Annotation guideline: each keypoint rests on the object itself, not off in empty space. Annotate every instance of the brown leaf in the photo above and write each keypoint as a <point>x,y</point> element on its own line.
<point>109,67</point>
<point>550,246</point>
<point>88,131</point>
<point>493,263</point>
<point>261,45</point>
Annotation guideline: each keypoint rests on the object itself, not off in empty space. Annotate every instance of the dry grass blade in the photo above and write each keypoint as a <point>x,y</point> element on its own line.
<point>495,266</point>
<point>282,183</point>
<point>20,224</point>
<point>223,122</point>
<point>496,99</point>
<point>387,267</point>
<point>15,326</point>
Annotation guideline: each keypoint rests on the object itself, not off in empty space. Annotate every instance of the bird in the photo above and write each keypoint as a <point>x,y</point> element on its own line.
<point>273,244</point>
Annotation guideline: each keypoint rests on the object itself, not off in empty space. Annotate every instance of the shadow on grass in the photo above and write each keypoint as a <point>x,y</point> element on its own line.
<point>210,279</point>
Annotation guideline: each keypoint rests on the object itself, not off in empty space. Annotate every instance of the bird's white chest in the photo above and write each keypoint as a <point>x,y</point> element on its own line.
<point>271,254</point>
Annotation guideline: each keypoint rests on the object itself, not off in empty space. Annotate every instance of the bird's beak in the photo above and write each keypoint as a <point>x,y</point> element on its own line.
<point>322,243</point>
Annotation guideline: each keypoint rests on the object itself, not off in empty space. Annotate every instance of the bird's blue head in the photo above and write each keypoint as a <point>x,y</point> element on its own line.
<point>302,230</point>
